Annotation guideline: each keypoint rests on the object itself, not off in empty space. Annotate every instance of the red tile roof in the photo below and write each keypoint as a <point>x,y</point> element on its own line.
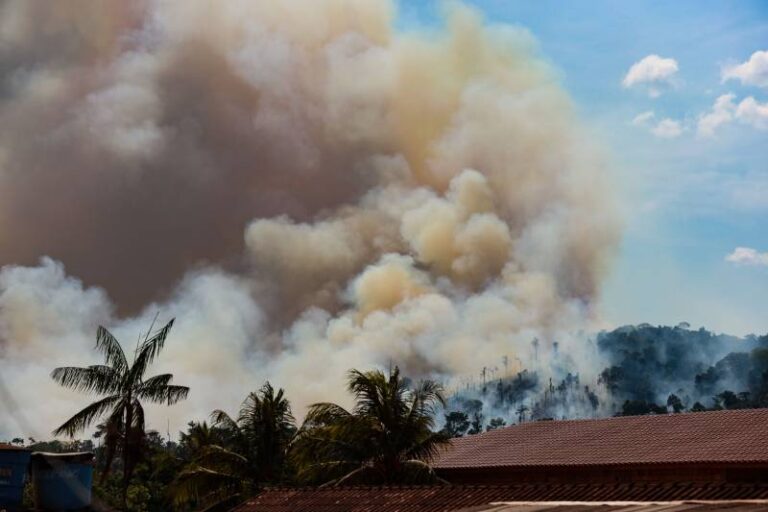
<point>452,498</point>
<point>12,447</point>
<point>681,506</point>
<point>739,436</point>
<point>372,499</point>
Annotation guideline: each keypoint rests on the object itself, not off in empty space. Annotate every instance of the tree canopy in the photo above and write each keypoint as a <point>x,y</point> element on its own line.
<point>386,438</point>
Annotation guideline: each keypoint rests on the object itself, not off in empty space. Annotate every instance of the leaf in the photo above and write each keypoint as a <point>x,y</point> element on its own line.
<point>108,345</point>
<point>158,390</point>
<point>147,352</point>
<point>88,415</point>
<point>99,379</point>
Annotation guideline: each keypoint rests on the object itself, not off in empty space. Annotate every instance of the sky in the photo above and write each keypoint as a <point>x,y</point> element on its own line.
<point>692,174</point>
<point>407,206</point>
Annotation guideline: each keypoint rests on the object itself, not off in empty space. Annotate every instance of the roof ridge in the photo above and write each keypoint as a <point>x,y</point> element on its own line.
<point>650,417</point>
<point>688,414</point>
<point>439,498</point>
<point>384,486</point>
<point>458,487</point>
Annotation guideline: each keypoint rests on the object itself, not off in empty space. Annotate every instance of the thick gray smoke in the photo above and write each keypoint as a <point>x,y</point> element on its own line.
<point>305,188</point>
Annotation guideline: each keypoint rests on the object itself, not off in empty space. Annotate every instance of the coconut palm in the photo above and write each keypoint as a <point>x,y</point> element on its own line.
<point>386,438</point>
<point>198,436</point>
<point>252,451</point>
<point>125,387</point>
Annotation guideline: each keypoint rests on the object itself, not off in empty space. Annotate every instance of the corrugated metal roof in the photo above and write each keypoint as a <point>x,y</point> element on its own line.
<point>707,437</point>
<point>452,498</point>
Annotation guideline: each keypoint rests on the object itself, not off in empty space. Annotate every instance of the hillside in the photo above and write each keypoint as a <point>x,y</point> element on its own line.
<point>643,369</point>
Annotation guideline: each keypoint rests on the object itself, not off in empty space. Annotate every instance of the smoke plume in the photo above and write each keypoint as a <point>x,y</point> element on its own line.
<point>304,187</point>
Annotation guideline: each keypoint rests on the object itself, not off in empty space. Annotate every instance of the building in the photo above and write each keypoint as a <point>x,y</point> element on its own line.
<point>695,448</point>
<point>452,498</point>
<point>696,461</point>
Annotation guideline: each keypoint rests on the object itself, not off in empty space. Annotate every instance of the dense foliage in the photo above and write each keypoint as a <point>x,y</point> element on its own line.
<point>386,438</point>
<point>233,457</point>
<point>391,433</point>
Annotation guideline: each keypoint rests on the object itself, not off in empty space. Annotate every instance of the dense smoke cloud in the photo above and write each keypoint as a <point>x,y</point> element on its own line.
<point>305,188</point>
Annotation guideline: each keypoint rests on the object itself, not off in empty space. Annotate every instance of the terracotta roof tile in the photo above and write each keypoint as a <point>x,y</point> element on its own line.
<point>706,437</point>
<point>12,447</point>
<point>452,498</point>
<point>736,506</point>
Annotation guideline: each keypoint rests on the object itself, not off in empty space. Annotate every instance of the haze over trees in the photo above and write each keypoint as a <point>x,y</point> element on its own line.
<point>650,370</point>
<point>395,427</point>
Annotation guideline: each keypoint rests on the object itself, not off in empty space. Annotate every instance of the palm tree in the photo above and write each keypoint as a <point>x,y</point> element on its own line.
<point>252,450</point>
<point>125,388</point>
<point>199,435</point>
<point>387,438</point>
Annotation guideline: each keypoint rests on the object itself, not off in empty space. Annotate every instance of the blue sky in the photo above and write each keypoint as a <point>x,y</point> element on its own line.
<point>690,197</point>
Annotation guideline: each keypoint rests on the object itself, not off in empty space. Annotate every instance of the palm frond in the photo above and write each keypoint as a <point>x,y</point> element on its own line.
<point>319,441</point>
<point>108,345</point>
<point>147,352</point>
<point>424,399</point>
<point>168,395</point>
<point>324,413</point>
<point>429,392</point>
<point>417,472</point>
<point>213,456</point>
<point>386,438</point>
<point>159,390</point>
<point>368,388</point>
<point>428,448</point>
<point>325,473</point>
<point>158,380</point>
<point>197,483</point>
<point>99,379</point>
<point>88,415</point>
<point>250,409</point>
<point>154,345</point>
<point>223,420</point>
<point>360,475</point>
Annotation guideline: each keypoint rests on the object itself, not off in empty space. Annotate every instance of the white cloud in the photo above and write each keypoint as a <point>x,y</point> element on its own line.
<point>722,113</point>
<point>652,71</point>
<point>654,92</point>
<point>753,113</point>
<point>749,111</point>
<point>748,256</point>
<point>667,129</point>
<point>752,72</point>
<point>643,119</point>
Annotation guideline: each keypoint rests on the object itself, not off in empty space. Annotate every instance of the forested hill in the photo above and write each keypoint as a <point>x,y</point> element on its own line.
<point>642,369</point>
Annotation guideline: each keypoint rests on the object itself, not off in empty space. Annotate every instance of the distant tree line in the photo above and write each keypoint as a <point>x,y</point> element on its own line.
<point>652,370</point>
<point>391,433</point>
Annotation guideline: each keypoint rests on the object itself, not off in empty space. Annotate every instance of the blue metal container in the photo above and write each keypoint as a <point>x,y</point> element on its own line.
<point>62,481</point>
<point>13,472</point>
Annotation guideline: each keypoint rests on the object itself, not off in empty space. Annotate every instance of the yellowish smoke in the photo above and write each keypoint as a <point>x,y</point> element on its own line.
<point>427,199</point>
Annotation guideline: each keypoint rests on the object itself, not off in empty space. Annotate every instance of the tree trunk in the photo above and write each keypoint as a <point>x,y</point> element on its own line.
<point>126,445</point>
<point>111,439</point>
